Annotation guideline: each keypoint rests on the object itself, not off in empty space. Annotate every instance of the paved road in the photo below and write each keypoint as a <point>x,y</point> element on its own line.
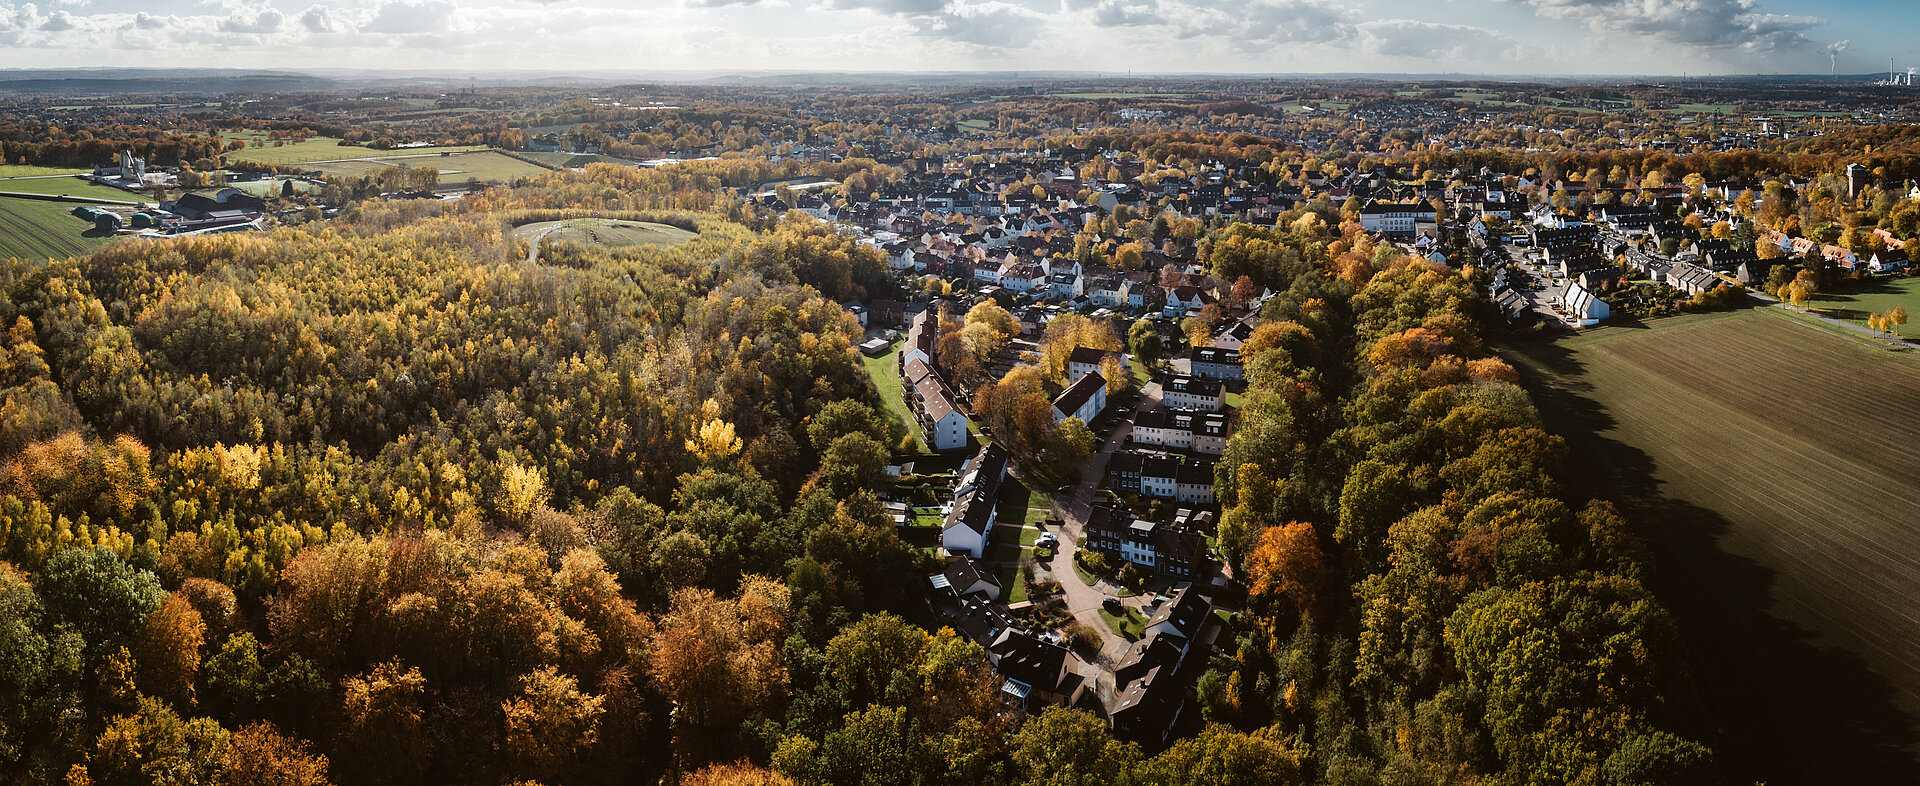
<point>1084,600</point>
<point>533,244</point>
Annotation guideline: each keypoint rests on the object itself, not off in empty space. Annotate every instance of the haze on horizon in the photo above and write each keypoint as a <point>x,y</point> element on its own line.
<point>1548,37</point>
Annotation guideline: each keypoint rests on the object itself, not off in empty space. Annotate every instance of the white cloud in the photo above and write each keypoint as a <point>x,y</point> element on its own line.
<point>1709,24</point>
<point>263,22</point>
<point>1434,41</point>
<point>406,17</point>
<point>318,19</point>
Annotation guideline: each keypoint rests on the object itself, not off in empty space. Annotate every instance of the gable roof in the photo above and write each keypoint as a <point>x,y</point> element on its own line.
<point>1186,612</point>
<point>1077,394</point>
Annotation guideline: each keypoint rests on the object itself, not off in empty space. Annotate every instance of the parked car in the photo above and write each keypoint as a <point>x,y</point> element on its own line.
<point>1112,605</point>
<point>1048,540</point>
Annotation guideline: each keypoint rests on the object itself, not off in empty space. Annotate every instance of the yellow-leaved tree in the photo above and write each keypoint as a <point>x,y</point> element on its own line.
<point>715,439</point>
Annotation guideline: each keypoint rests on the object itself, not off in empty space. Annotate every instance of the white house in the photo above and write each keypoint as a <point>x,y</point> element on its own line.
<point>1087,360</point>
<point>1085,399</point>
<point>975,503</point>
<point>1587,308</point>
<point>1188,392</point>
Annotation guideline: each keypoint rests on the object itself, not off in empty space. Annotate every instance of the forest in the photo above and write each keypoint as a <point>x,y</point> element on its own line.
<point>377,500</point>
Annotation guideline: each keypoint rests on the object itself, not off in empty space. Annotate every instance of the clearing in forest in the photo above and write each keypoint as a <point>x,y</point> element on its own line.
<point>612,233</point>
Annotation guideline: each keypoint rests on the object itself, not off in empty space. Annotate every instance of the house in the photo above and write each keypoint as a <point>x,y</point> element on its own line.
<point>1193,483</point>
<point>935,407</point>
<point>964,577</point>
<point>1182,616</point>
<point>1182,301</point>
<point>1147,474</point>
<point>1182,429</point>
<point>1148,709</point>
<point>1188,392</point>
<point>225,204</point>
<point>1692,279</point>
<point>1397,220</point>
<point>923,335</point>
<point>1085,399</point>
<point>1586,307</point>
<point>1216,362</point>
<point>975,503</point>
<point>1158,548</point>
<point>1087,360</point>
<point>1038,672</point>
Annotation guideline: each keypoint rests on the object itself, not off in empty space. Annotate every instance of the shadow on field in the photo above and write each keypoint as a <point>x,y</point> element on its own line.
<point>1779,708</point>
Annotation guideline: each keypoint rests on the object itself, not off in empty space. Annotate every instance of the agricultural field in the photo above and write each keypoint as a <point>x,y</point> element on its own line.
<point>571,160</point>
<point>38,229</point>
<point>606,232</point>
<point>1769,464</point>
<point>488,166</point>
<point>321,148</point>
<point>1098,95</point>
<point>1702,109</point>
<point>1853,301</point>
<point>28,170</point>
<point>70,186</point>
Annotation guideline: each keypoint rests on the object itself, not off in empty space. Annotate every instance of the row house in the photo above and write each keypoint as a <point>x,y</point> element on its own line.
<point>1182,429</point>
<point>1189,392</point>
<point>1157,548</point>
<point>1217,362</point>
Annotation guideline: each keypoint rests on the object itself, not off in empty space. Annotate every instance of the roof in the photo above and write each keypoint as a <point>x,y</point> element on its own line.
<point>1186,612</point>
<point>1149,706</point>
<point>1217,355</point>
<point>979,490</point>
<point>1077,394</point>
<point>1025,657</point>
<point>962,573</point>
<point>1090,356</point>
<point>1144,656</point>
<point>1192,386</point>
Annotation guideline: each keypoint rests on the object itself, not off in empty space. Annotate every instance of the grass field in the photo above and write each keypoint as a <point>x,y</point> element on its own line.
<point>37,229</point>
<point>1853,301</point>
<point>490,166</point>
<point>320,148</point>
<point>70,186</point>
<point>572,160</point>
<point>976,124</point>
<point>1770,464</point>
<point>1702,109</point>
<point>607,232</point>
<point>28,170</point>
<point>885,373</point>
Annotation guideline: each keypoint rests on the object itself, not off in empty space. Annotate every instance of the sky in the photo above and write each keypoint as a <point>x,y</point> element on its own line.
<point>1468,37</point>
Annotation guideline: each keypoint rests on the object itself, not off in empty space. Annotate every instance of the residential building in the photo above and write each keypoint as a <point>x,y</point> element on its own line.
<point>1188,392</point>
<point>1038,672</point>
<point>1085,399</point>
<point>1182,429</point>
<point>965,577</point>
<point>975,503</point>
<point>1216,362</point>
<point>1087,360</point>
<point>1160,548</point>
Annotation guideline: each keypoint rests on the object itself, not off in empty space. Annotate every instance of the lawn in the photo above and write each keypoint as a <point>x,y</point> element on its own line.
<point>38,229</point>
<point>1014,587</point>
<point>1853,301</point>
<point>976,125</point>
<point>70,186</point>
<point>1768,463</point>
<point>885,372</point>
<point>1702,109</point>
<point>1129,625</point>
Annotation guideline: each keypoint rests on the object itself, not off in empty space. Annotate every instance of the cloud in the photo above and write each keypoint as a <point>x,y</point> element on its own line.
<point>264,22</point>
<point>1121,13</point>
<point>992,25</point>
<point>1270,22</point>
<point>1706,24</point>
<point>406,17</point>
<point>896,7</point>
<point>60,21</point>
<point>1434,41</point>
<point>318,19</point>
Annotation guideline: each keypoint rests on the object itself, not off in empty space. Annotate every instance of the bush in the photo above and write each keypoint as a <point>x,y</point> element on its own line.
<point>1094,561</point>
<point>1082,639</point>
<point>1130,575</point>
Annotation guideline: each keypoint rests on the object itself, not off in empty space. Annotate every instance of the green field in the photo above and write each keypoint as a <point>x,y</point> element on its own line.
<point>1853,301</point>
<point>1769,464</point>
<point>976,124</point>
<point>607,232</point>
<point>1702,109</point>
<point>27,170</point>
<point>38,229</point>
<point>490,166</point>
<point>572,160</point>
<point>885,373</point>
<point>321,148</point>
<point>70,186</point>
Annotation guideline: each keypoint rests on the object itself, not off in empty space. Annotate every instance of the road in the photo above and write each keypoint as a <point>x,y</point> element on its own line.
<point>1082,599</point>
<point>533,243</point>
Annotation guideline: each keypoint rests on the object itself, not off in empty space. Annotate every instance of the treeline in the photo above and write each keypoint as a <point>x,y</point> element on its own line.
<point>43,144</point>
<point>1424,603</point>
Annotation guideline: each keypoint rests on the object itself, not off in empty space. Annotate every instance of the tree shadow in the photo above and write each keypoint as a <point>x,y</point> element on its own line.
<point>1779,706</point>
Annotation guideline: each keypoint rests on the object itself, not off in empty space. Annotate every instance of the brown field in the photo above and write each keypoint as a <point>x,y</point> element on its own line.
<point>1770,464</point>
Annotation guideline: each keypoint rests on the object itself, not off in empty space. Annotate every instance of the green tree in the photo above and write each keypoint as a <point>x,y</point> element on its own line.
<point>98,595</point>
